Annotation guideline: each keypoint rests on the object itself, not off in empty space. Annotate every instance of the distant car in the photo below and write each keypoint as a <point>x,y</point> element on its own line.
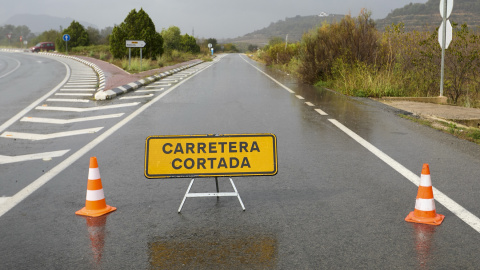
<point>43,47</point>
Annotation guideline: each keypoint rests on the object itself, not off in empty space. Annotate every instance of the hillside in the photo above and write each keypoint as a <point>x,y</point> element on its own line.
<point>39,23</point>
<point>427,16</point>
<point>294,27</point>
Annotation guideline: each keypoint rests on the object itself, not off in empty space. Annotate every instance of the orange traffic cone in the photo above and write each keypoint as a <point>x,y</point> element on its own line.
<point>95,204</point>
<point>425,205</point>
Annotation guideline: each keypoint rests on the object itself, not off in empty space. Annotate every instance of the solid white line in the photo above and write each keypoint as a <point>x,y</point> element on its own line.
<point>42,180</point>
<point>73,109</point>
<point>4,199</point>
<point>13,70</point>
<point>35,103</point>
<point>68,121</point>
<point>458,210</point>
<point>68,100</point>
<point>13,159</point>
<point>309,104</point>
<point>321,112</point>
<point>271,78</point>
<point>472,220</point>
<point>136,97</point>
<point>40,137</point>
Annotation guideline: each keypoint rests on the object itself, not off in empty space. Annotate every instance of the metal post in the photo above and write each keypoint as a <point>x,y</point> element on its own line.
<point>216,183</point>
<point>66,47</point>
<point>129,57</point>
<point>444,43</point>
<point>140,59</point>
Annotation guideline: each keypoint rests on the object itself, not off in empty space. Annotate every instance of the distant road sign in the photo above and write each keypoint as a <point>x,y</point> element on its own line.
<point>66,37</point>
<point>210,155</point>
<point>135,43</point>
<point>210,45</point>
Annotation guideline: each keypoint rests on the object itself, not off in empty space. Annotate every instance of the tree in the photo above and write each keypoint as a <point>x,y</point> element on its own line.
<point>189,44</point>
<point>50,35</point>
<point>78,37</point>
<point>136,26</point>
<point>172,38</point>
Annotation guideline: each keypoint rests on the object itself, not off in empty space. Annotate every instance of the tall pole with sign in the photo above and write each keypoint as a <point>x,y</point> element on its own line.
<point>66,38</point>
<point>444,35</point>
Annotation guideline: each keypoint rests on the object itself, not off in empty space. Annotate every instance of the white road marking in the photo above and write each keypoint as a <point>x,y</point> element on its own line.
<point>157,85</point>
<point>73,109</point>
<point>78,89</point>
<point>270,77</point>
<point>46,155</point>
<point>13,70</point>
<point>68,121</point>
<point>439,196</point>
<point>150,90</point>
<point>38,101</point>
<point>40,137</point>
<point>299,97</point>
<point>321,112</point>
<point>74,94</point>
<point>309,104</point>
<point>45,178</point>
<point>136,97</point>
<point>68,100</point>
<point>458,210</point>
<point>4,199</point>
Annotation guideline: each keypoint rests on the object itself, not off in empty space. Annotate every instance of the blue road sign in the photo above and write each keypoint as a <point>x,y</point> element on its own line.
<point>66,37</point>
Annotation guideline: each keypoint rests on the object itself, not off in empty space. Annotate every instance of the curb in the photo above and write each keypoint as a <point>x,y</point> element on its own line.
<point>109,94</point>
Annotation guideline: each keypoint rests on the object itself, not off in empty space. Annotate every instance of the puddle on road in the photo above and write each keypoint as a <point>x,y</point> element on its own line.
<point>211,249</point>
<point>423,235</point>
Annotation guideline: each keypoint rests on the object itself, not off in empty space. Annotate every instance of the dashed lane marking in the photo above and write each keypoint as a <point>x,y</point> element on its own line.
<point>21,158</point>
<point>40,137</point>
<point>74,109</point>
<point>321,112</point>
<point>309,104</point>
<point>299,97</point>
<point>68,121</point>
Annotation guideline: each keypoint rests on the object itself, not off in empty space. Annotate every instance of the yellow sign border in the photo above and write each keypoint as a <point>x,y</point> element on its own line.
<point>219,174</point>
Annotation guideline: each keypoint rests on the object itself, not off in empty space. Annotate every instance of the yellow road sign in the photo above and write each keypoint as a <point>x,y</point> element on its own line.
<point>211,155</point>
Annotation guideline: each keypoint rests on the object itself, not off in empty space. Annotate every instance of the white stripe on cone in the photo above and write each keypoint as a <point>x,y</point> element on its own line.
<point>95,195</point>
<point>425,180</point>
<point>93,173</point>
<point>425,204</point>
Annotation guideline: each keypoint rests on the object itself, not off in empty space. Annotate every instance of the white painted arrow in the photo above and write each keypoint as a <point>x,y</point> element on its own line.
<point>68,121</point>
<point>39,137</point>
<point>74,109</point>
<point>46,155</point>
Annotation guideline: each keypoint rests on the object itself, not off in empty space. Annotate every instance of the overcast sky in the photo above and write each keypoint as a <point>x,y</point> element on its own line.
<point>210,18</point>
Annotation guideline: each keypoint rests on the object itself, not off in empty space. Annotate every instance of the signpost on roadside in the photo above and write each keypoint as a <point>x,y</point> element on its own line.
<point>211,156</point>
<point>134,44</point>
<point>444,35</point>
<point>66,38</point>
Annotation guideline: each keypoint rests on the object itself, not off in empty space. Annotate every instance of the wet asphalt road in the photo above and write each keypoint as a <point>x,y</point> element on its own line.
<point>333,204</point>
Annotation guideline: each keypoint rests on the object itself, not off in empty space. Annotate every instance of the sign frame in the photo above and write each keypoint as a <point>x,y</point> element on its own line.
<point>273,170</point>
<point>135,43</point>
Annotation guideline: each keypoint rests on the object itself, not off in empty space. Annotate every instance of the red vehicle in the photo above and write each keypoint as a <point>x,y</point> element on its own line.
<point>43,47</point>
